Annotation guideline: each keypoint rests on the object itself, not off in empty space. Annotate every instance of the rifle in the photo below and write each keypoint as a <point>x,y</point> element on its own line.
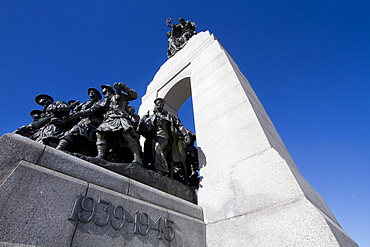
<point>40,122</point>
<point>71,106</point>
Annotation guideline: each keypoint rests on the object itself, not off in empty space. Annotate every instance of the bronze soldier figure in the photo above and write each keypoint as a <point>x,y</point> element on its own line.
<point>53,119</point>
<point>179,35</point>
<point>29,130</point>
<point>165,133</point>
<point>85,128</point>
<point>116,119</point>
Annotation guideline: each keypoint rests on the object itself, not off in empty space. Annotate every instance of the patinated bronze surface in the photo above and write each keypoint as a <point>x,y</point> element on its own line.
<point>179,35</point>
<point>108,130</point>
<point>166,139</point>
<point>81,137</point>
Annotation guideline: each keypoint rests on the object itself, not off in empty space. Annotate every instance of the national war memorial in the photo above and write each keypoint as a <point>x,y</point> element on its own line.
<point>96,183</point>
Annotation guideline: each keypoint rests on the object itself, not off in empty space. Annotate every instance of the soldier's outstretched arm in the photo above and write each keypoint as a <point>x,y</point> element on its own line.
<point>86,113</point>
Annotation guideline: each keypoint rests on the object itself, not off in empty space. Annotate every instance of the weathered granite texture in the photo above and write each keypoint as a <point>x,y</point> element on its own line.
<point>35,204</point>
<point>39,187</point>
<point>147,177</point>
<point>188,232</point>
<point>53,159</point>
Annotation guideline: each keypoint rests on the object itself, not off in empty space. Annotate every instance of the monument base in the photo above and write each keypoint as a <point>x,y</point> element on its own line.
<point>50,198</point>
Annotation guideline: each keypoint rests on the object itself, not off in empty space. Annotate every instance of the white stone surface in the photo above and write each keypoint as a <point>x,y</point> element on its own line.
<point>294,224</point>
<point>252,193</point>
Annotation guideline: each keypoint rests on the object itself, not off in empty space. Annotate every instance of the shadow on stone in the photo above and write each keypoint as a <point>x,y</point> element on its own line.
<point>145,176</point>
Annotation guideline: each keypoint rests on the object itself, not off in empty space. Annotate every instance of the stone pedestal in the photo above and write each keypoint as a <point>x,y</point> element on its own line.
<point>252,193</point>
<point>50,198</point>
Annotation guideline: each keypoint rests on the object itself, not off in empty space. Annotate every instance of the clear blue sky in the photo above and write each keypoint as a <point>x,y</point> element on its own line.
<point>308,61</point>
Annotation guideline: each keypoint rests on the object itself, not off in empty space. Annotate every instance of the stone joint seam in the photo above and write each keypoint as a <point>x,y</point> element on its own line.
<point>42,153</point>
<point>259,210</point>
<point>251,156</point>
<point>77,223</point>
<point>128,187</point>
<point>11,172</point>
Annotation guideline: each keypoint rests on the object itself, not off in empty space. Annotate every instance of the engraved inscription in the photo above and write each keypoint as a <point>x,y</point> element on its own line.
<point>104,213</point>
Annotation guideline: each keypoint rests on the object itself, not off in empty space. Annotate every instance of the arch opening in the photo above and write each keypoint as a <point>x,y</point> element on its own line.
<point>179,101</point>
<point>178,94</point>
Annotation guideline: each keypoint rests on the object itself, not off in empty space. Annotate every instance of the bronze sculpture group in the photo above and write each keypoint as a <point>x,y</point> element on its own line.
<point>109,129</point>
<point>179,35</point>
